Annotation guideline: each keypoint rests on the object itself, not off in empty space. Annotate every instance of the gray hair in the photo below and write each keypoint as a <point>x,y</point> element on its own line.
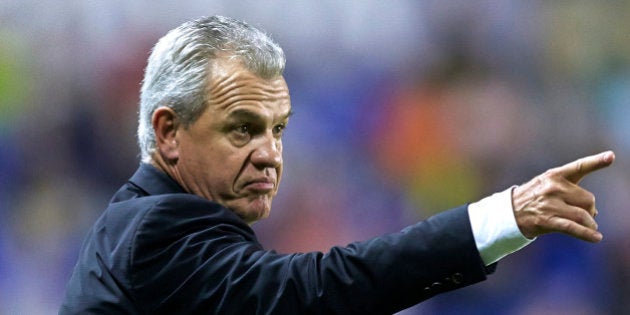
<point>178,68</point>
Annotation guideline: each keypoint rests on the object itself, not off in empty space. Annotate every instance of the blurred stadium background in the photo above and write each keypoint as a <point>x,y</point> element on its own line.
<point>402,109</point>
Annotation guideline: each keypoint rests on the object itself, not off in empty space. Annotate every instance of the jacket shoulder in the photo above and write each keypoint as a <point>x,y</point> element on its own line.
<point>174,236</point>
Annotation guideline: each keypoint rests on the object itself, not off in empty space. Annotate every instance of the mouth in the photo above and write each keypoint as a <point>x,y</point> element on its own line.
<point>262,185</point>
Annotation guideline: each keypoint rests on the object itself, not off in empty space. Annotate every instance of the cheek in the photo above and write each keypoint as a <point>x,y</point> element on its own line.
<point>197,159</point>
<point>202,161</point>
<point>225,166</point>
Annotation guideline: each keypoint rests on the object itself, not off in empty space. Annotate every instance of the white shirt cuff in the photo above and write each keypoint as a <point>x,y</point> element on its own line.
<point>494,227</point>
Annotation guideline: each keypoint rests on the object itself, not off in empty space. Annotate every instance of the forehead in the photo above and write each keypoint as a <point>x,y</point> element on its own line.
<point>231,86</point>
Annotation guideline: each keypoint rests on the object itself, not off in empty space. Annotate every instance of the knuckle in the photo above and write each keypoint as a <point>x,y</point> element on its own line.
<point>585,219</point>
<point>590,197</point>
<point>537,222</point>
<point>549,222</point>
<point>579,166</point>
<point>575,229</point>
<point>546,186</point>
<point>560,225</point>
<point>563,225</point>
<point>551,173</point>
<point>578,212</point>
<point>537,225</point>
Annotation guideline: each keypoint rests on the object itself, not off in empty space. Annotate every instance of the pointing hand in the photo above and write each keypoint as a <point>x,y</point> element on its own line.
<point>554,202</point>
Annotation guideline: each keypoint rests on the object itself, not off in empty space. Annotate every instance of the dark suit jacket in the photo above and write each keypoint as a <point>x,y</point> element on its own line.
<point>159,250</point>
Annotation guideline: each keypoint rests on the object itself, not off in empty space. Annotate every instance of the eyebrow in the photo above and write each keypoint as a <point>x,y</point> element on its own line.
<point>251,115</point>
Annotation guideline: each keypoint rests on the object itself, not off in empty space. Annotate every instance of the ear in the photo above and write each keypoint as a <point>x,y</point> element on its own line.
<point>165,125</point>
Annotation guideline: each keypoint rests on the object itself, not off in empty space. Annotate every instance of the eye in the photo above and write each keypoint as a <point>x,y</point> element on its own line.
<point>240,133</point>
<point>279,129</point>
<point>242,129</point>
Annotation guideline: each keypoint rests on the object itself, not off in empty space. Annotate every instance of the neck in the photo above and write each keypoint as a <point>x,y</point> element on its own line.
<point>169,168</point>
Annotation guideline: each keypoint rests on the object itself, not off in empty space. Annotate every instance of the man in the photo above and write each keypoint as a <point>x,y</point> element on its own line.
<point>176,239</point>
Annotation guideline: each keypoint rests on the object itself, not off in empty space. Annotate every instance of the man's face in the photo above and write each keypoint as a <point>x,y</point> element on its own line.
<point>232,154</point>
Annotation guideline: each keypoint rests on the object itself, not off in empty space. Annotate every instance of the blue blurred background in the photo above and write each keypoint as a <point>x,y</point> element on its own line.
<point>402,109</point>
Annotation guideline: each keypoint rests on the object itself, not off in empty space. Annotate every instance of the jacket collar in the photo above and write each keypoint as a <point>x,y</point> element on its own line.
<point>154,181</point>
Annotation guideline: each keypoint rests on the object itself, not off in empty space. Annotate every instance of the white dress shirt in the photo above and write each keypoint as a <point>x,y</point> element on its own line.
<point>494,227</point>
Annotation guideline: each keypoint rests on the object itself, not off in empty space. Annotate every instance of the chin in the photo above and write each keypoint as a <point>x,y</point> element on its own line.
<point>251,218</point>
<point>255,211</point>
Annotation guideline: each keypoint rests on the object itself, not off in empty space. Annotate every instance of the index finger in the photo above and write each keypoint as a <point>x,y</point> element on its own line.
<point>579,168</point>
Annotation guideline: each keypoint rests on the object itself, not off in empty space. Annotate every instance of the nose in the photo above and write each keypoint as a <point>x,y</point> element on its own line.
<point>268,152</point>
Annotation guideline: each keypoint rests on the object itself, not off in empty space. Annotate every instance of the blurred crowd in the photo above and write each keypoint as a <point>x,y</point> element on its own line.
<point>402,109</point>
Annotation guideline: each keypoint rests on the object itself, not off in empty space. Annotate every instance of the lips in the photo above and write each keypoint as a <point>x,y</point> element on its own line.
<point>260,185</point>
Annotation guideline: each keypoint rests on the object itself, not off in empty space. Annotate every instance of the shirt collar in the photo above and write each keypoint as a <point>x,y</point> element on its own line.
<point>154,181</point>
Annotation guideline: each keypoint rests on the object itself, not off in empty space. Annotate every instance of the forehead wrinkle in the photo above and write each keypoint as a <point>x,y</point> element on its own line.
<point>247,90</point>
<point>222,86</point>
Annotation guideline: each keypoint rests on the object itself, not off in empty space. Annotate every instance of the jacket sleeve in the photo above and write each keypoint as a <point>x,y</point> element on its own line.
<point>190,256</point>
